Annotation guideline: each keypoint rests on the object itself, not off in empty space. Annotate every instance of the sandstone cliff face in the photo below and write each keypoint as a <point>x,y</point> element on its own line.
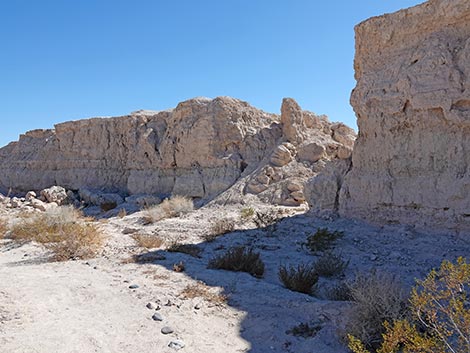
<point>199,149</point>
<point>411,161</point>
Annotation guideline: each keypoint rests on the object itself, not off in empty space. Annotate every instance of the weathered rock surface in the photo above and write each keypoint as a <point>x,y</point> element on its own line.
<point>199,149</point>
<point>411,161</point>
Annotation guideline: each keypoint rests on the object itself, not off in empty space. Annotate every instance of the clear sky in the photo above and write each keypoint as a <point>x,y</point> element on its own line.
<point>64,60</point>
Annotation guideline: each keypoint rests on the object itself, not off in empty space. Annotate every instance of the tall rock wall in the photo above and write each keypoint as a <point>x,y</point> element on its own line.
<point>411,161</point>
<point>199,149</point>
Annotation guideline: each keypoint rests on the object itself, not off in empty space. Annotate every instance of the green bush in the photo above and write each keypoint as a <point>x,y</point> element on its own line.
<point>301,279</point>
<point>323,239</point>
<point>239,259</point>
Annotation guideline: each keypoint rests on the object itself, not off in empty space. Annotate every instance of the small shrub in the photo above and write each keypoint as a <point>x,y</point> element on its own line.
<point>3,228</point>
<point>247,213</point>
<point>239,259</point>
<point>441,314</point>
<point>62,230</point>
<point>147,241</point>
<point>322,239</point>
<point>265,219</point>
<point>108,205</point>
<point>378,297</point>
<point>189,249</point>
<point>173,207</point>
<point>220,227</point>
<point>330,265</point>
<point>339,292</point>
<point>304,330</point>
<point>122,213</point>
<point>201,290</point>
<point>301,279</point>
<point>179,267</point>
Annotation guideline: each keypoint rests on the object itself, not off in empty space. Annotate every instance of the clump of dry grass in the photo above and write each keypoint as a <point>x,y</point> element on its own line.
<point>378,297</point>
<point>239,259</point>
<point>63,230</point>
<point>3,228</point>
<point>330,265</point>
<point>247,213</point>
<point>323,239</point>
<point>220,227</point>
<point>179,267</point>
<point>202,290</point>
<point>147,241</point>
<point>173,207</point>
<point>122,213</point>
<point>301,279</point>
<point>189,249</point>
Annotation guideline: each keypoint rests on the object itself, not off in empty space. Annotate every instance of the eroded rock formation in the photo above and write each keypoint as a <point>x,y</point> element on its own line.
<point>411,161</point>
<point>199,149</point>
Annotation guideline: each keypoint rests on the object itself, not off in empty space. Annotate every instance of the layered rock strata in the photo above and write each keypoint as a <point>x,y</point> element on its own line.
<point>199,149</point>
<point>411,161</point>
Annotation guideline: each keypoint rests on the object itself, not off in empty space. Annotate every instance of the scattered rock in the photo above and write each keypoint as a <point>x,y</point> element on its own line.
<point>151,306</point>
<point>134,286</point>
<point>167,330</point>
<point>30,195</point>
<point>157,317</point>
<point>56,194</point>
<point>176,344</point>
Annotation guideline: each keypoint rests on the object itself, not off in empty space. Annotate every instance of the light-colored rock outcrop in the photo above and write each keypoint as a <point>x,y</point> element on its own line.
<point>199,149</point>
<point>411,161</point>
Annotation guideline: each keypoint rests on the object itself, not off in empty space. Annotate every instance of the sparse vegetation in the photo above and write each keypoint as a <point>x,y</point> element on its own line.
<point>339,292</point>
<point>179,267</point>
<point>220,227</point>
<point>378,297</point>
<point>173,207</point>
<point>304,330</point>
<point>239,259</point>
<point>108,206</point>
<point>323,239</point>
<point>189,249</point>
<point>201,290</point>
<point>62,230</point>
<point>122,213</point>
<point>265,219</point>
<point>441,313</point>
<point>3,228</point>
<point>301,279</point>
<point>147,241</point>
<point>247,213</point>
<point>330,264</point>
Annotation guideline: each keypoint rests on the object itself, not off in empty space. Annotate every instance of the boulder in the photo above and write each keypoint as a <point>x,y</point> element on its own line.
<point>56,194</point>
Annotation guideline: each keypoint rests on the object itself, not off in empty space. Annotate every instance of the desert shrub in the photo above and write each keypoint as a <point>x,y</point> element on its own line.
<point>108,205</point>
<point>265,219</point>
<point>239,259</point>
<point>62,230</point>
<point>122,213</point>
<point>339,292</point>
<point>3,228</point>
<point>220,227</point>
<point>173,207</point>
<point>179,267</point>
<point>323,239</point>
<point>301,279</point>
<point>201,290</point>
<point>247,213</point>
<point>189,249</point>
<point>330,264</point>
<point>378,297</point>
<point>304,330</point>
<point>147,241</point>
<point>440,305</point>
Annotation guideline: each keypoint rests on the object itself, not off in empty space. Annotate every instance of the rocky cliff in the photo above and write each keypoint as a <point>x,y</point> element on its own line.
<point>199,149</point>
<point>411,161</point>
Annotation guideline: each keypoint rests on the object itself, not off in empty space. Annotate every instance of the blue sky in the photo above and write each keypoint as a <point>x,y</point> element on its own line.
<point>64,60</point>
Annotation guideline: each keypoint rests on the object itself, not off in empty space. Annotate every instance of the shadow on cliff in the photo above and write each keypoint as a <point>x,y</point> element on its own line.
<point>270,310</point>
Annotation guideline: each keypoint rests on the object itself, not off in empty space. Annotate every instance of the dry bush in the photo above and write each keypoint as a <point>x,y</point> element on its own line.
<point>330,265</point>
<point>239,259</point>
<point>441,313</point>
<point>201,290</point>
<point>147,241</point>
<point>62,230</point>
<point>179,267</point>
<point>301,279</point>
<point>189,249</point>
<point>323,239</point>
<point>247,213</point>
<point>378,297</point>
<point>304,330</point>
<point>3,228</point>
<point>220,227</point>
<point>339,292</point>
<point>122,213</point>
<point>173,207</point>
